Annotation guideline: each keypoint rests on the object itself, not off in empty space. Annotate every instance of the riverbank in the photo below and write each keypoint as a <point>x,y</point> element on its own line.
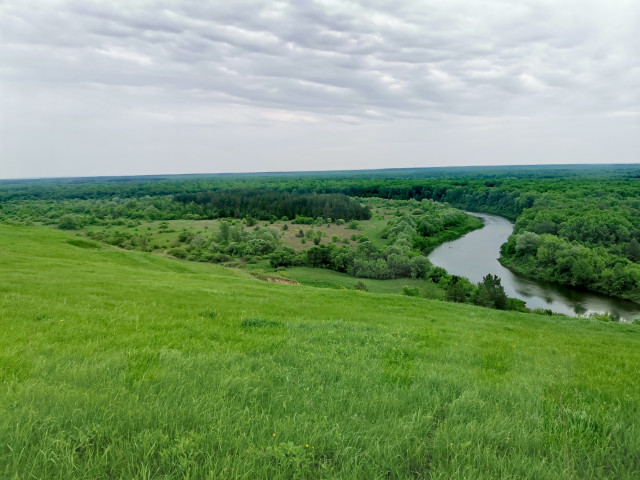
<point>477,254</point>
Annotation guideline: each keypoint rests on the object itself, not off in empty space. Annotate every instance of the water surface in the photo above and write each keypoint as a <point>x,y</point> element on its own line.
<point>476,254</point>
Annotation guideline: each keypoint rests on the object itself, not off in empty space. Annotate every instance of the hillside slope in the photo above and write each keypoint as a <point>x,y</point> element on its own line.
<point>119,364</point>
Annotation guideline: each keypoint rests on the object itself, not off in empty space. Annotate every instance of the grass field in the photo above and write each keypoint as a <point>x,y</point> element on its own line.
<point>122,364</point>
<point>318,277</point>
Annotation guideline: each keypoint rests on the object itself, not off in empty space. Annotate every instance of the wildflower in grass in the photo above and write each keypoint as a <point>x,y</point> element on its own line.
<point>274,434</point>
<point>307,445</point>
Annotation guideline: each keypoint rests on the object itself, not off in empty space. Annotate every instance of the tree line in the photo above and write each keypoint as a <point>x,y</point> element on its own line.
<point>264,204</point>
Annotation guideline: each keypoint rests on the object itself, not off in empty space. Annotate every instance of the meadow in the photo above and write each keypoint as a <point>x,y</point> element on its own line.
<point>126,364</point>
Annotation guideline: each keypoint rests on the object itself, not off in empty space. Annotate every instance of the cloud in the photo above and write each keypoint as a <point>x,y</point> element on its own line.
<point>312,62</point>
<point>343,58</point>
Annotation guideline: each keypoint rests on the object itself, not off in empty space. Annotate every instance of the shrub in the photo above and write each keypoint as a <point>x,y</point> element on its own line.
<point>602,317</point>
<point>68,222</point>
<point>178,252</point>
<point>283,257</point>
<point>361,286</point>
<point>436,274</point>
<point>302,221</point>
<point>410,291</point>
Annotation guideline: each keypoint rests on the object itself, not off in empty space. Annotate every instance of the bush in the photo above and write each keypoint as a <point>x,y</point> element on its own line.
<point>178,252</point>
<point>410,291</point>
<point>283,257</point>
<point>302,221</point>
<point>68,222</point>
<point>543,311</point>
<point>353,225</point>
<point>602,317</point>
<point>516,304</point>
<point>436,274</point>
<point>186,237</point>
<point>361,286</point>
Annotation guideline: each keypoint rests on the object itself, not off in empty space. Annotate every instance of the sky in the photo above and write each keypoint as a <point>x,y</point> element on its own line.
<point>106,87</point>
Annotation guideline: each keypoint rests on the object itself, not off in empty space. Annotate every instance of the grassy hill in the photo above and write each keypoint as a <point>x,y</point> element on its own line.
<point>121,364</point>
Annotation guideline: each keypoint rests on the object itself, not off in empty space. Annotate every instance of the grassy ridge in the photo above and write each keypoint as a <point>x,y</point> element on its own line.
<point>318,277</point>
<point>125,364</point>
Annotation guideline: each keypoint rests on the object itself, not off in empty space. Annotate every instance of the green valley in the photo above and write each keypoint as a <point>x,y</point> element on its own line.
<point>126,364</point>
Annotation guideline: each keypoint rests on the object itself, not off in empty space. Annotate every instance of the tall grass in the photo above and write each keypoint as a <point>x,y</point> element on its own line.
<point>121,364</point>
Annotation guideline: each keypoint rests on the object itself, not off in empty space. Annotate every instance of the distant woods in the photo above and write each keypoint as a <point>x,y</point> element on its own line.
<point>575,225</point>
<point>265,204</point>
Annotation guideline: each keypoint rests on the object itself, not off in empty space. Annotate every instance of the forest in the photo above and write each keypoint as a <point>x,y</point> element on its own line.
<point>265,204</point>
<point>574,225</point>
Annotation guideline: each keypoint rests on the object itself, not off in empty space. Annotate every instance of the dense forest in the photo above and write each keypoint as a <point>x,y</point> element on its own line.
<point>575,225</point>
<point>265,204</point>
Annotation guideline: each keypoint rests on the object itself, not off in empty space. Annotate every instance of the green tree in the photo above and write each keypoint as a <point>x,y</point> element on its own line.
<point>68,222</point>
<point>282,257</point>
<point>420,266</point>
<point>491,293</point>
<point>527,242</point>
<point>223,234</point>
<point>633,250</point>
<point>455,291</point>
<point>436,274</point>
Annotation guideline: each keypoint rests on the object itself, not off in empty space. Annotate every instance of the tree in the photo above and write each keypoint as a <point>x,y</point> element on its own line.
<point>527,242</point>
<point>283,257</point>
<point>399,265</point>
<point>223,235</point>
<point>633,250</point>
<point>436,274</point>
<point>491,293</point>
<point>68,222</point>
<point>420,265</point>
<point>455,291</point>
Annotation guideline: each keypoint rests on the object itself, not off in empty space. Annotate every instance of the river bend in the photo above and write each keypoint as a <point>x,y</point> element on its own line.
<point>476,254</point>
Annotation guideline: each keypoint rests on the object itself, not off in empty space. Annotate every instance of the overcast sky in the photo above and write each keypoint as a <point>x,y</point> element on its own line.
<point>109,87</point>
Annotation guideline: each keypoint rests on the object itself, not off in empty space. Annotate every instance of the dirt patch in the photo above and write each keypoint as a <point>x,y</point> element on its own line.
<point>285,281</point>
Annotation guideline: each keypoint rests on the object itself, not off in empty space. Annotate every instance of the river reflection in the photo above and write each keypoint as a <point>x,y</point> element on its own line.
<point>476,254</point>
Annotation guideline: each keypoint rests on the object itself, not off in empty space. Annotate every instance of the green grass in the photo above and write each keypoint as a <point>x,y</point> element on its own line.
<point>318,277</point>
<point>121,364</point>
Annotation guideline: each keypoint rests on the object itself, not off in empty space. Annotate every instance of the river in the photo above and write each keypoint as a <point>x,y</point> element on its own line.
<point>476,254</point>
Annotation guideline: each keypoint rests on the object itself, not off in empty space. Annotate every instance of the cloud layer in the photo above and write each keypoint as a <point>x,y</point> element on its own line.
<point>79,74</point>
